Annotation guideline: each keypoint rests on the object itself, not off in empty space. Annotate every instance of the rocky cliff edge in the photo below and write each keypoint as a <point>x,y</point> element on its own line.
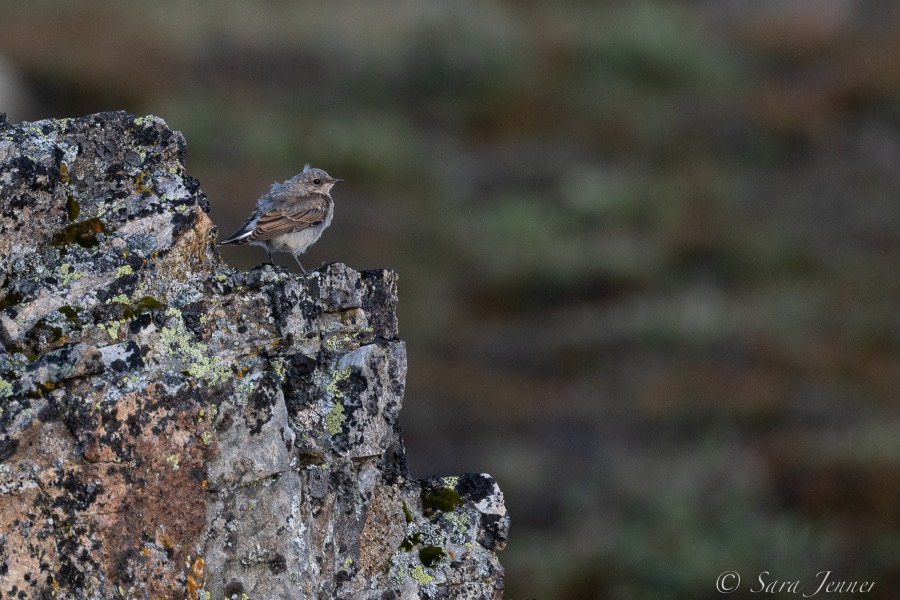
<point>173,428</point>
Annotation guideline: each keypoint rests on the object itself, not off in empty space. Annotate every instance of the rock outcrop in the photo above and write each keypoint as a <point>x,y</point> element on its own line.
<point>173,428</point>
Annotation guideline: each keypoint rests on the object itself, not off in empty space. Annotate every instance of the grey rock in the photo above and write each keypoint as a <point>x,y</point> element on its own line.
<point>171,427</point>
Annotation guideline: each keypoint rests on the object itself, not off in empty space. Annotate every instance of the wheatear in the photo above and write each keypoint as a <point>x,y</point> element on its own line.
<point>291,216</point>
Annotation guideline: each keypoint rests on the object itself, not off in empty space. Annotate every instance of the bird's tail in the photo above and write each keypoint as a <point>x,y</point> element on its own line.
<point>241,236</point>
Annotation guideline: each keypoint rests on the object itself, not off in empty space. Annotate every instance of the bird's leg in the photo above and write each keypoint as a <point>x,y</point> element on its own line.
<point>270,257</point>
<point>297,258</point>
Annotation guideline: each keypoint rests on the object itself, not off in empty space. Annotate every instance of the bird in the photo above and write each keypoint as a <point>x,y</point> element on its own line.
<point>291,216</point>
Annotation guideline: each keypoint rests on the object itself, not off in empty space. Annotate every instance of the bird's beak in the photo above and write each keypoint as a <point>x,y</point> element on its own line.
<point>337,181</point>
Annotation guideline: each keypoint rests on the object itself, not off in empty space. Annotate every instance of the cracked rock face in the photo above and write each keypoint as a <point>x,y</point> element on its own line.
<point>170,427</point>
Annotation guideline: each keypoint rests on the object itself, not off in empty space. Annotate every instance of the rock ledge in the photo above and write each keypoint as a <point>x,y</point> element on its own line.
<point>171,427</point>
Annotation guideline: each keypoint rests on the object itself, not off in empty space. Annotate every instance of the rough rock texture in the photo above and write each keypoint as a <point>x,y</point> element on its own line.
<point>172,428</point>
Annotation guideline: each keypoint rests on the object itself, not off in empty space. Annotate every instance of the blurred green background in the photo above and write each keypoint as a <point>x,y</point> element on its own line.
<point>648,251</point>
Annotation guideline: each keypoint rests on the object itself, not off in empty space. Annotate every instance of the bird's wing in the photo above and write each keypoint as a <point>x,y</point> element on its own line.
<point>291,218</point>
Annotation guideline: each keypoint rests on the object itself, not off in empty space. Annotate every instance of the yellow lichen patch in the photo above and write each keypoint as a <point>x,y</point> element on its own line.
<point>418,573</point>
<point>332,386</point>
<point>334,420</point>
<point>68,274</point>
<point>112,328</point>
<point>200,362</point>
<point>460,520</point>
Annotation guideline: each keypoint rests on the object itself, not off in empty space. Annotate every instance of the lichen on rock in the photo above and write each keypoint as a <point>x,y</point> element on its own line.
<point>171,427</point>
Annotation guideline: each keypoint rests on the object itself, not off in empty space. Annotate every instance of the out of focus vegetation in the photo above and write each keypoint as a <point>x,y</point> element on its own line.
<point>648,251</point>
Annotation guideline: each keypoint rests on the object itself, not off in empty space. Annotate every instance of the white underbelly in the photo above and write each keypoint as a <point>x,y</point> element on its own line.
<point>296,243</point>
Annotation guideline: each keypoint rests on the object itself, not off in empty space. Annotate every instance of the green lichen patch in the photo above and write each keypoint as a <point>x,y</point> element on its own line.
<point>14,348</point>
<point>407,513</point>
<point>411,541</point>
<point>333,386</point>
<point>68,274</point>
<point>70,313</point>
<point>112,328</point>
<point>145,304</point>
<point>73,207</point>
<point>444,499</point>
<point>146,120</point>
<point>64,174</point>
<point>10,299</point>
<point>334,420</point>
<point>83,233</point>
<point>431,555</point>
<point>118,299</point>
<point>460,520</point>
<point>418,573</point>
<point>400,574</point>
<point>201,363</point>
<point>311,458</point>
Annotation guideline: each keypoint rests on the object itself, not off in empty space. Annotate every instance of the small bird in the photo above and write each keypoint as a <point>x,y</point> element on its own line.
<point>291,216</point>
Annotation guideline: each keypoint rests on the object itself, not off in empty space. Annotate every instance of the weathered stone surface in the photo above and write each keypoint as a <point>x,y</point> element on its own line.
<point>170,427</point>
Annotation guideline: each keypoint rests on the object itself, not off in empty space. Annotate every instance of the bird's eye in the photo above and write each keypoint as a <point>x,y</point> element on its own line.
<point>317,181</point>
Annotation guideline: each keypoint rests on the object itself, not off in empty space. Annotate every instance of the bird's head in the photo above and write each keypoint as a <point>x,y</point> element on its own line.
<point>315,180</point>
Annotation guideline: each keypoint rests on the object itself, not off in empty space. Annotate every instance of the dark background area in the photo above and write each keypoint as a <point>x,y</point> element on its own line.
<point>648,251</point>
